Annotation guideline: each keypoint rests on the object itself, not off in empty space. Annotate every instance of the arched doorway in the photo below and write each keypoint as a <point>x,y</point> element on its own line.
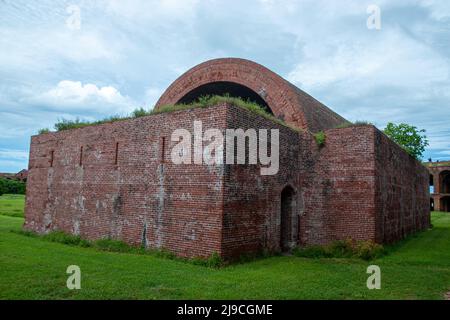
<point>445,204</point>
<point>287,209</point>
<point>444,178</point>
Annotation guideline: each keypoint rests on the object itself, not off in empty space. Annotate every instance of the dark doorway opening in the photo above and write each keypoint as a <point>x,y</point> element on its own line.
<point>431,204</point>
<point>445,204</point>
<point>287,213</point>
<point>222,88</point>
<point>445,181</point>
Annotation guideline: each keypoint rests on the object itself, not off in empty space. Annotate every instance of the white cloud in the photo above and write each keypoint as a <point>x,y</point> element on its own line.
<point>74,95</point>
<point>13,154</point>
<point>159,10</point>
<point>440,9</point>
<point>393,59</point>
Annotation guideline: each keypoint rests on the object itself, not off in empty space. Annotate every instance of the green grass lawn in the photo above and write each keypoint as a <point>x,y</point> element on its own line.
<point>32,268</point>
<point>12,205</point>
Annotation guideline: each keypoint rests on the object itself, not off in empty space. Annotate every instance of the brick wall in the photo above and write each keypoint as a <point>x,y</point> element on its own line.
<point>402,191</point>
<point>251,200</point>
<point>138,198</point>
<point>117,181</point>
<point>339,197</point>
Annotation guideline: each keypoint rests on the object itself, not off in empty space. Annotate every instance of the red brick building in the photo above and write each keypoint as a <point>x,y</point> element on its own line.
<point>440,185</point>
<point>116,180</point>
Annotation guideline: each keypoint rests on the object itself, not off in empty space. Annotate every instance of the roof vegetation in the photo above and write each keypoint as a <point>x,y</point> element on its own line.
<point>437,164</point>
<point>202,102</point>
<point>358,123</point>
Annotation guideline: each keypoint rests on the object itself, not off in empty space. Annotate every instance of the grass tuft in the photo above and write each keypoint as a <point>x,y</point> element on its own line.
<point>202,102</point>
<point>366,250</point>
<point>359,123</point>
<point>320,138</point>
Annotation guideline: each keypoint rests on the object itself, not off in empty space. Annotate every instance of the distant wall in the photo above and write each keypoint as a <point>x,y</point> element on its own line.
<point>402,191</point>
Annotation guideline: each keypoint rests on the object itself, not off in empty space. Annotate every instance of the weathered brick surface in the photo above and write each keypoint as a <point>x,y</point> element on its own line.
<point>142,199</point>
<point>251,219</point>
<point>402,193</point>
<point>117,180</point>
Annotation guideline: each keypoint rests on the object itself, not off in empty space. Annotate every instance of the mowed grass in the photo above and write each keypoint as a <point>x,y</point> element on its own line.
<point>12,205</point>
<point>32,268</point>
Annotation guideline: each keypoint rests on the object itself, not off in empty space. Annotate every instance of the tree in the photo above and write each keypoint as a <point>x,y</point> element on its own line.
<point>11,186</point>
<point>408,137</point>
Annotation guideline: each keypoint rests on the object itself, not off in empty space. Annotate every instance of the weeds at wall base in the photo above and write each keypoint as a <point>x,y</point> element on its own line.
<point>110,245</point>
<point>365,250</point>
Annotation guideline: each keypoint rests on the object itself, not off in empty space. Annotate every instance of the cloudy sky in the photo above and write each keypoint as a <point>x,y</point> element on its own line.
<point>122,54</point>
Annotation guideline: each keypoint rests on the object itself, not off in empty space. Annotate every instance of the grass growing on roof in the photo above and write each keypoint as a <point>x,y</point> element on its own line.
<point>359,123</point>
<point>202,102</point>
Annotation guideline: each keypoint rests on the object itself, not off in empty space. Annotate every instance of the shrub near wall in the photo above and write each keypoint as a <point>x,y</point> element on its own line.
<point>11,186</point>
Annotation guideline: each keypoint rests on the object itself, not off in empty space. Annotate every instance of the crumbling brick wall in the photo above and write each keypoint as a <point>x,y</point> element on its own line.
<point>112,181</point>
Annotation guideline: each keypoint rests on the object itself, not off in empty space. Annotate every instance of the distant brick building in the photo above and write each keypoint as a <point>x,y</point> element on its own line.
<point>440,185</point>
<point>20,176</point>
<point>116,180</point>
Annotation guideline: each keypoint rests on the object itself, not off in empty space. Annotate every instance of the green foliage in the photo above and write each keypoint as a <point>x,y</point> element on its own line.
<point>61,237</point>
<point>66,124</point>
<point>112,245</point>
<point>408,137</point>
<point>366,250</point>
<point>43,130</point>
<point>202,102</point>
<point>213,261</point>
<point>320,138</point>
<point>314,251</point>
<point>359,123</point>
<point>8,186</point>
<point>342,248</point>
<point>140,112</point>
<point>362,123</point>
<point>207,101</point>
